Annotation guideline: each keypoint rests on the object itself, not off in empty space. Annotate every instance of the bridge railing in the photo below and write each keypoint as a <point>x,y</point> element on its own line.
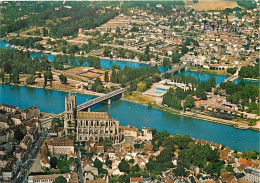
<point>102,98</point>
<point>88,103</point>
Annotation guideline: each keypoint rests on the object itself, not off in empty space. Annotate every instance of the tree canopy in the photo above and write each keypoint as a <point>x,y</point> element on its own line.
<point>60,179</point>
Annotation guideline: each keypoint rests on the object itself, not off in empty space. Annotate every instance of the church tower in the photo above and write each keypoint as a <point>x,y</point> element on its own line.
<point>70,116</point>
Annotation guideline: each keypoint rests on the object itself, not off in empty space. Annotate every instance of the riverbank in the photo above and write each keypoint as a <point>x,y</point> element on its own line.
<point>144,100</point>
<point>250,79</point>
<point>207,71</point>
<point>76,55</point>
<point>79,91</point>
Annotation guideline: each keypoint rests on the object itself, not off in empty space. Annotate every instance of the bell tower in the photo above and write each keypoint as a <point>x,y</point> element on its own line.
<point>70,115</point>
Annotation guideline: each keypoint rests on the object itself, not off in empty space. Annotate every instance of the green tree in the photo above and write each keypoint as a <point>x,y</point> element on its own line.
<point>232,70</point>
<point>72,59</point>
<point>63,79</point>
<point>53,162</point>
<point>58,62</point>
<point>30,80</point>
<point>141,86</point>
<point>123,166</point>
<point>60,179</point>
<point>73,49</point>
<point>107,143</point>
<point>48,76</point>
<point>15,76</point>
<point>2,75</point>
<point>97,86</point>
<point>44,31</point>
<point>18,134</point>
<point>189,102</point>
<point>135,168</point>
<point>166,62</point>
<point>57,121</point>
<point>176,57</point>
<point>146,52</point>
<point>81,60</point>
<point>114,76</point>
<point>165,156</point>
<point>98,164</point>
<point>106,77</point>
<point>201,93</point>
<point>180,171</point>
<point>94,62</point>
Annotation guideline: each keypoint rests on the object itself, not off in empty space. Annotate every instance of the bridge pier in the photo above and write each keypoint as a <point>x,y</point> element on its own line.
<point>89,109</point>
<point>106,98</point>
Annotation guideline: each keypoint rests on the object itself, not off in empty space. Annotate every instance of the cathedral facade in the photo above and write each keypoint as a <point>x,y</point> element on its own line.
<point>89,126</point>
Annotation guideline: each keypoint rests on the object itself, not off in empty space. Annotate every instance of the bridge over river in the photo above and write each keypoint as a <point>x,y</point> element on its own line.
<point>86,105</point>
<point>177,69</point>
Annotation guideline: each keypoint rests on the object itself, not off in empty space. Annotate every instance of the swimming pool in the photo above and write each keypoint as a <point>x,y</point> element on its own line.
<point>163,89</point>
<point>155,91</point>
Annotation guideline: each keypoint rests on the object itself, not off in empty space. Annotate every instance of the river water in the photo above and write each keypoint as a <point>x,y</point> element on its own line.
<point>135,114</point>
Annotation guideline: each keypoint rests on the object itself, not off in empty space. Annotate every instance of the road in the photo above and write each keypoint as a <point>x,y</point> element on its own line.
<point>24,172</point>
<point>80,172</point>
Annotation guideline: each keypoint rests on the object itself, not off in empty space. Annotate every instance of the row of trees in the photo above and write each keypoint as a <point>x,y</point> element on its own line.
<point>57,22</point>
<point>249,71</point>
<point>61,60</point>
<point>138,78</point>
<point>189,154</point>
<point>244,96</point>
<point>62,163</point>
<point>30,42</point>
<point>173,97</point>
<point>14,62</point>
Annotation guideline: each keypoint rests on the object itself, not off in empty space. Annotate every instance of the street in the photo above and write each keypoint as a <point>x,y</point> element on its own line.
<point>80,166</point>
<point>25,167</point>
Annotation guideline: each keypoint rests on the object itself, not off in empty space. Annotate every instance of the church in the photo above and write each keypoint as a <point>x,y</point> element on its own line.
<point>89,126</point>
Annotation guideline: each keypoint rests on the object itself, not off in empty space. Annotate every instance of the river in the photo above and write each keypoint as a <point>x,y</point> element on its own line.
<point>105,63</point>
<point>135,114</point>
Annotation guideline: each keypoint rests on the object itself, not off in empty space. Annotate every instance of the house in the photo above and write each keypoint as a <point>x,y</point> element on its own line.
<point>136,179</point>
<point>72,166</point>
<point>100,149</point>
<point>89,171</point>
<point>30,112</point>
<point>56,131</point>
<point>60,146</point>
<point>70,177</point>
<point>146,134</point>
<point>20,154</point>
<point>251,175</point>
<point>9,108</point>
<point>26,142</point>
<point>10,169</point>
<point>33,132</point>
<point>16,118</point>
<point>97,181</point>
<point>129,130</point>
<point>4,122</point>
<point>43,157</point>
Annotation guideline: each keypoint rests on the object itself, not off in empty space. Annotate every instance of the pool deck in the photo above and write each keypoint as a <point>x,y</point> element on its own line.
<point>157,90</point>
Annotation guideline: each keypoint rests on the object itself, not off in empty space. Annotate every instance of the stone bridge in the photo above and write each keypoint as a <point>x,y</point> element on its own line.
<point>177,69</point>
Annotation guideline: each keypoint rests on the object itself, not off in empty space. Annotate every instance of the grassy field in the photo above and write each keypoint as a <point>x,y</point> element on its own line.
<point>140,98</point>
<point>214,5</point>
